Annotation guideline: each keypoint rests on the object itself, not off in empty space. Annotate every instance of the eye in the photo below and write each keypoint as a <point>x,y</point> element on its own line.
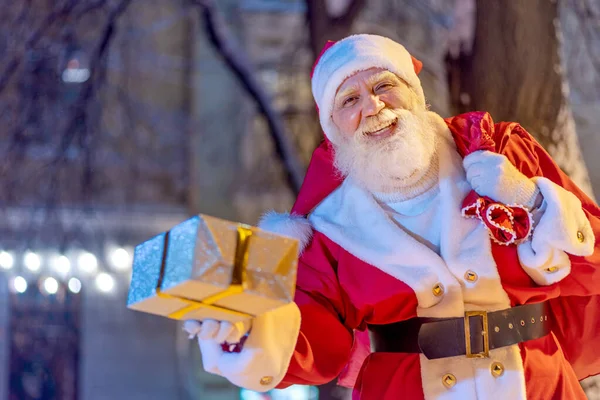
<point>349,101</point>
<point>383,86</point>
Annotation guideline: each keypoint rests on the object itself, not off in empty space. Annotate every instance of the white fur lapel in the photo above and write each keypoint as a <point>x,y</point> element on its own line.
<point>353,219</point>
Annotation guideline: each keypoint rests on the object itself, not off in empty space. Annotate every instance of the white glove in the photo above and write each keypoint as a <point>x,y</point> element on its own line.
<point>493,175</point>
<point>217,331</point>
<point>266,354</point>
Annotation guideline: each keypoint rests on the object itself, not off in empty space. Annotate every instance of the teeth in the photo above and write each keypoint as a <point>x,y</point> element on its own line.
<point>380,130</point>
<point>377,132</point>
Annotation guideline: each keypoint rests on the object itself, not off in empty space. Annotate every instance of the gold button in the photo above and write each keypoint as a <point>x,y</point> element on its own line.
<point>266,380</point>
<point>449,380</point>
<point>471,276</point>
<point>438,290</point>
<point>532,320</point>
<point>510,325</point>
<point>497,369</point>
<point>551,269</point>
<point>496,329</point>
<point>580,237</point>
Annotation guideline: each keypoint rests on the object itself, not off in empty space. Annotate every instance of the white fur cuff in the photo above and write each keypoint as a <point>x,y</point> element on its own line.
<point>546,266</point>
<point>266,355</point>
<point>563,225</point>
<point>286,224</point>
<point>562,229</point>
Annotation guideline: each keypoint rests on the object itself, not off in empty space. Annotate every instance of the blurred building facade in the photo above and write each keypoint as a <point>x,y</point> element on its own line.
<point>87,184</point>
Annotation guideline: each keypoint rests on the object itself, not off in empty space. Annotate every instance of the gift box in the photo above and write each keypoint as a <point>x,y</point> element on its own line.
<point>209,268</point>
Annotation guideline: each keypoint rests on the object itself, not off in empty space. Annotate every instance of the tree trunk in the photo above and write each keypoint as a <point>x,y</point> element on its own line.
<point>323,26</point>
<point>514,72</point>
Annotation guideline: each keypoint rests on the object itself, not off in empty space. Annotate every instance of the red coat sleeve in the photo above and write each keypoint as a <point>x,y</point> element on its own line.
<point>577,308</point>
<point>324,342</point>
<point>532,160</point>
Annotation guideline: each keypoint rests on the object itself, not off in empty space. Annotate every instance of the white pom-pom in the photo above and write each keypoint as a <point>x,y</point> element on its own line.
<point>287,224</point>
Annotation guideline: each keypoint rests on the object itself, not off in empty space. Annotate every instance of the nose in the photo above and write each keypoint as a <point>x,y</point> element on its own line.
<point>372,105</point>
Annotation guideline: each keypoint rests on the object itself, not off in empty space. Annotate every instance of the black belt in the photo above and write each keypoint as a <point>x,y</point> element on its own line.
<point>445,337</point>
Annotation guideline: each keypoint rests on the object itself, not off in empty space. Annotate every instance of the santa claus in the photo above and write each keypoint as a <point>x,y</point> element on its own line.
<point>441,259</point>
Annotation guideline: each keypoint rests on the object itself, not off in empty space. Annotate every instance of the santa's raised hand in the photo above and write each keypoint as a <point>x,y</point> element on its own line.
<point>493,175</point>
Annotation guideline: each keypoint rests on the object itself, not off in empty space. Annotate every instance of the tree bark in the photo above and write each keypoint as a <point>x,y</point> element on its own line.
<point>514,72</point>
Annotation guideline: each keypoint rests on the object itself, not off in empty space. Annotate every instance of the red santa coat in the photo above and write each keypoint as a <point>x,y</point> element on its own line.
<point>339,294</point>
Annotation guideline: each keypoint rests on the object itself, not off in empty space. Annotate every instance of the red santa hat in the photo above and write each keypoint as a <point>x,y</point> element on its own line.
<point>342,59</point>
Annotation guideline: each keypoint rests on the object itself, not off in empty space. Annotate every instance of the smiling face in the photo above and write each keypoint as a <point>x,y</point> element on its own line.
<point>360,99</point>
<point>387,139</point>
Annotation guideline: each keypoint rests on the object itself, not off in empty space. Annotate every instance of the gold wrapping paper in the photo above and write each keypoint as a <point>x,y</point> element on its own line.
<point>237,285</point>
<point>209,268</point>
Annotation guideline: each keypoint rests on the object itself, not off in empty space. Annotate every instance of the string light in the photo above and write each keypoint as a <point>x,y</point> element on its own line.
<point>120,259</point>
<point>62,264</point>
<point>87,262</point>
<point>32,261</point>
<point>104,282</point>
<point>6,260</point>
<point>74,285</point>
<point>50,285</point>
<point>20,284</point>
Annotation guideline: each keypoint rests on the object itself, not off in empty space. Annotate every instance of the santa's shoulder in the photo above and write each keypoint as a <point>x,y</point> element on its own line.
<point>477,130</point>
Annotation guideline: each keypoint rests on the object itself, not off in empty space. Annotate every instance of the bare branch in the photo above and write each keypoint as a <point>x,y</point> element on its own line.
<point>79,114</point>
<point>52,18</point>
<point>90,7</point>
<point>238,62</point>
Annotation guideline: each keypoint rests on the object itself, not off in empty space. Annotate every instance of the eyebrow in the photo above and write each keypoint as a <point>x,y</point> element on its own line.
<point>380,76</point>
<point>346,91</point>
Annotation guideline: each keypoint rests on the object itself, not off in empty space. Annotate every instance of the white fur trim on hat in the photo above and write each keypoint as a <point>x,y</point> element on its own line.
<point>350,55</point>
<point>295,226</point>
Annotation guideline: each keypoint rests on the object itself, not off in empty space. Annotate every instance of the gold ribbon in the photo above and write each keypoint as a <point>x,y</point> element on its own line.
<point>238,281</point>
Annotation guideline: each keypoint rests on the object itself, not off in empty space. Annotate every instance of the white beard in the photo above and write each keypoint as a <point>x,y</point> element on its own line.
<point>393,163</point>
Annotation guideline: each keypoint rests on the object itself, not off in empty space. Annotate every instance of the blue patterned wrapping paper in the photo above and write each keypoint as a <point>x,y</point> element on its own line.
<point>180,254</point>
<point>147,261</point>
<point>194,252</point>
